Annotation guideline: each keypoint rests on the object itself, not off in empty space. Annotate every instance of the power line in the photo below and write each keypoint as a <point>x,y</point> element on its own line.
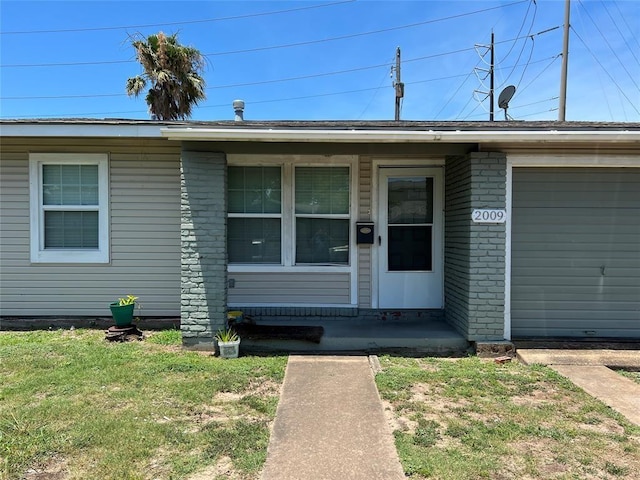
<point>605,70</point>
<point>615,24</point>
<point>274,47</point>
<point>525,43</point>
<point>278,80</point>
<point>533,44</point>
<point>376,92</point>
<point>624,20</point>
<point>524,19</point>
<point>553,59</point>
<point>183,22</point>
<point>265,82</point>
<point>225,105</point>
<point>609,45</point>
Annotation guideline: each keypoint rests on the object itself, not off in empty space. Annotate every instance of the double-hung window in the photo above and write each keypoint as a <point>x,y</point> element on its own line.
<point>289,215</point>
<point>322,215</point>
<point>254,226</point>
<point>69,208</point>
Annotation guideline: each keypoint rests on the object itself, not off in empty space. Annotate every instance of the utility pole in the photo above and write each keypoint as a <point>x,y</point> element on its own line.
<point>399,86</point>
<point>490,73</point>
<point>565,60</point>
<point>491,70</point>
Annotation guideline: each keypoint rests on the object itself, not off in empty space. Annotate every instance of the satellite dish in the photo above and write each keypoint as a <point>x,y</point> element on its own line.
<point>505,97</point>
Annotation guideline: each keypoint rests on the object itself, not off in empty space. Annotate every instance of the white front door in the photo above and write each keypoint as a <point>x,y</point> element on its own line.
<point>410,236</point>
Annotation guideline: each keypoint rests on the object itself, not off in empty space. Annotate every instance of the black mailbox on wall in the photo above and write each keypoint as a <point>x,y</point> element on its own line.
<point>364,232</point>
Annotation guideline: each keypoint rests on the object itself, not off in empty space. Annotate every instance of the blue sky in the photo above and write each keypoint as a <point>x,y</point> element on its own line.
<point>328,60</point>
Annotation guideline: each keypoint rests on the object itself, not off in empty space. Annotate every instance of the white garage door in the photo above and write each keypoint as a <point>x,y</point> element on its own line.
<point>576,252</point>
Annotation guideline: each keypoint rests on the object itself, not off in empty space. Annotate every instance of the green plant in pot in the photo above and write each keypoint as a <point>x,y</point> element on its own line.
<point>122,310</point>
<point>228,342</point>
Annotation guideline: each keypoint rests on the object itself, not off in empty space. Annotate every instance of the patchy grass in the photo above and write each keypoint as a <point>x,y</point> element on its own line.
<point>632,374</point>
<point>74,406</point>
<point>474,419</point>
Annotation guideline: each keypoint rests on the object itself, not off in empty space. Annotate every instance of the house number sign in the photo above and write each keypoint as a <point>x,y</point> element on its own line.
<point>489,216</point>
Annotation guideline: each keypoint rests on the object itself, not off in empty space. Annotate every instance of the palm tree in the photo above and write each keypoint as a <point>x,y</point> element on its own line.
<point>173,72</point>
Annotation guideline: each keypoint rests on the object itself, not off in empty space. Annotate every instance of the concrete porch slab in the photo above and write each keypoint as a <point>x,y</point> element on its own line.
<point>410,336</point>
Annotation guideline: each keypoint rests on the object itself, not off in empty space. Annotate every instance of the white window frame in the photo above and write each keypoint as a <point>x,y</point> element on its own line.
<point>326,216</point>
<point>67,255</point>
<point>288,243</point>
<point>279,216</point>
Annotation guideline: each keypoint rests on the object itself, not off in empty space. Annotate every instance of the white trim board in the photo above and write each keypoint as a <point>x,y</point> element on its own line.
<point>573,160</point>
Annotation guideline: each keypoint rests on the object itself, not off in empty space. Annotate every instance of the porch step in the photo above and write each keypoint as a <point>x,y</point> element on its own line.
<point>409,336</point>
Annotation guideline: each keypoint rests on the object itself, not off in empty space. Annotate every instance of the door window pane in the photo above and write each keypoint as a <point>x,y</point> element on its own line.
<point>321,240</point>
<point>254,240</point>
<point>409,248</point>
<point>410,200</point>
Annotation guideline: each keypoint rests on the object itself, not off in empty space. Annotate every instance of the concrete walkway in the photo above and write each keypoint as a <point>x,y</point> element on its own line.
<point>330,424</point>
<point>588,370</point>
<point>616,391</point>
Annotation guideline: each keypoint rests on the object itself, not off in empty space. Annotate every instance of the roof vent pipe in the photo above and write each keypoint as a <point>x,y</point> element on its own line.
<point>238,107</point>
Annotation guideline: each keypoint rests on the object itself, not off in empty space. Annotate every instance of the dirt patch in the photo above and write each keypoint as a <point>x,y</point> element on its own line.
<point>266,388</point>
<point>222,469</point>
<point>54,468</point>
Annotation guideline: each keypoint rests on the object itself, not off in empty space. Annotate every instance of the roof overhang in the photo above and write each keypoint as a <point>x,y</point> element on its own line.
<point>336,133</point>
<point>111,130</point>
<point>398,136</point>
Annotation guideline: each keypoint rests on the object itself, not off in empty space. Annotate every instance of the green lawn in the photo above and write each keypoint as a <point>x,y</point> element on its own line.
<point>474,419</point>
<point>75,405</point>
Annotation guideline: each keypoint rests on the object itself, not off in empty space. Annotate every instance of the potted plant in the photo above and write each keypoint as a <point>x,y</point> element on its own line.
<point>228,342</point>
<point>122,310</point>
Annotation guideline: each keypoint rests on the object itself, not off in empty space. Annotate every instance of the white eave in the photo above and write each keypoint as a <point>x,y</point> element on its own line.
<point>116,129</point>
<point>110,130</point>
<point>398,136</point>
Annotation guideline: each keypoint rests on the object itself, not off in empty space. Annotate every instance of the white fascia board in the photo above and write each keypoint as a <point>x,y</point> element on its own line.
<point>80,130</point>
<point>403,136</point>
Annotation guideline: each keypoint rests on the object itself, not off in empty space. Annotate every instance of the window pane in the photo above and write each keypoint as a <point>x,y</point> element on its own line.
<point>253,240</point>
<point>70,184</point>
<point>410,200</point>
<point>321,240</point>
<point>254,190</point>
<point>71,230</point>
<point>51,185</point>
<point>409,248</point>
<point>322,190</point>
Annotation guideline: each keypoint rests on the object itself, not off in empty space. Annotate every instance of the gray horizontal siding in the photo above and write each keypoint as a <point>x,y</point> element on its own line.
<point>289,288</point>
<point>144,182</point>
<point>576,252</point>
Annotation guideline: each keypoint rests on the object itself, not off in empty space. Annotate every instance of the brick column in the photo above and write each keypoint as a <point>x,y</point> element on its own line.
<point>475,253</point>
<point>203,235</point>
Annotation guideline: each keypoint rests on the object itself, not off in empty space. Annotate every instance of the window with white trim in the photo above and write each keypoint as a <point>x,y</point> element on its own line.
<point>69,208</point>
<point>254,226</point>
<point>289,215</point>
<point>322,215</point>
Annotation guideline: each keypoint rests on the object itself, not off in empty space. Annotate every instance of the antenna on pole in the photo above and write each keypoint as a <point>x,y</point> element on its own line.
<point>398,85</point>
<point>565,61</point>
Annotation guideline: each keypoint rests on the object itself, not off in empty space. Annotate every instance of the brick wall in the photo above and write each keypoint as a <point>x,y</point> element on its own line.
<point>475,253</point>
<point>203,235</point>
